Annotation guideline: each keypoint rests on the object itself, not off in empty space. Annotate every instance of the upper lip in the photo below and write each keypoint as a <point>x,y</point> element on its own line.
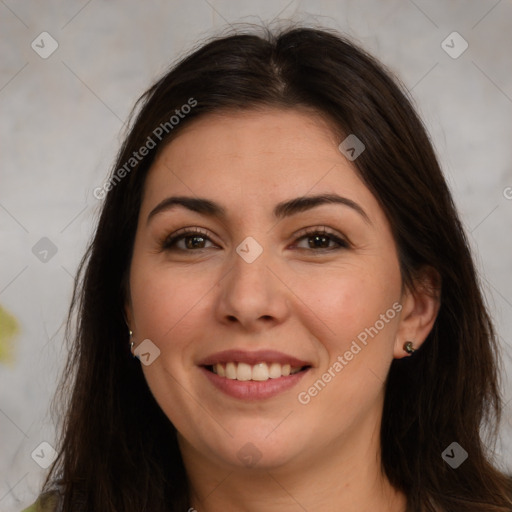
<point>252,358</point>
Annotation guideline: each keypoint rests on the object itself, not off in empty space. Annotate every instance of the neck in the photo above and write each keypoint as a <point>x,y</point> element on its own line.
<point>346,475</point>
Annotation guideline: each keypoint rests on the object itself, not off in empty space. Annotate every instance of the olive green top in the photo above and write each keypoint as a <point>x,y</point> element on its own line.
<point>45,503</point>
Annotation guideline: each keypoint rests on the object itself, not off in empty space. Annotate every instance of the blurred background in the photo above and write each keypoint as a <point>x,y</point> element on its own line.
<point>71,71</point>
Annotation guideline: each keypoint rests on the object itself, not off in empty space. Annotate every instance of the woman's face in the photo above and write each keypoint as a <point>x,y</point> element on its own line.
<point>268,275</point>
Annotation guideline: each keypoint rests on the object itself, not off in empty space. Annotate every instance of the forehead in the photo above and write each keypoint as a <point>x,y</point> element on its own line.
<point>255,157</point>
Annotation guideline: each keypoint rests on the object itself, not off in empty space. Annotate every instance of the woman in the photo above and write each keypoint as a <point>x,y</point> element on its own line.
<point>280,253</point>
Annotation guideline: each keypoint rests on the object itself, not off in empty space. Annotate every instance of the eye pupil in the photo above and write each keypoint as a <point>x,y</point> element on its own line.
<point>319,241</point>
<point>191,242</point>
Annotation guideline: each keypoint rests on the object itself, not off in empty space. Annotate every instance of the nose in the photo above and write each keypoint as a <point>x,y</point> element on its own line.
<point>252,295</point>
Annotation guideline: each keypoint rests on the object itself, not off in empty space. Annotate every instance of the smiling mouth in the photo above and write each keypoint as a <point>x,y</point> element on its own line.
<point>258,372</point>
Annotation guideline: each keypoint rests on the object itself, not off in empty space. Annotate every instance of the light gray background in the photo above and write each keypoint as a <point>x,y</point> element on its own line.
<point>61,121</point>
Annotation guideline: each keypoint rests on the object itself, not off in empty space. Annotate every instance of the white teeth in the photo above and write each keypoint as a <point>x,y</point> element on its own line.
<point>258,372</point>
<point>275,371</point>
<point>230,370</point>
<point>221,371</point>
<point>243,372</point>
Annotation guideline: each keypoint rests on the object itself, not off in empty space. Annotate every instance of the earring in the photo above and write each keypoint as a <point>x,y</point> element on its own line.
<point>409,347</point>
<point>131,342</point>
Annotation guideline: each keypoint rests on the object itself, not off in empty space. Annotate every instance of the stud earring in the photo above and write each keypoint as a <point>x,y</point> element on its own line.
<point>409,347</point>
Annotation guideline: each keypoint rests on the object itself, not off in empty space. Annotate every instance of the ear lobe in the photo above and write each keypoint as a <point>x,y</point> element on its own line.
<point>420,307</point>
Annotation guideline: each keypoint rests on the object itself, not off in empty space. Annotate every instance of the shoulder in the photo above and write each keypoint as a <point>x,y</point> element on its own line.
<point>47,502</point>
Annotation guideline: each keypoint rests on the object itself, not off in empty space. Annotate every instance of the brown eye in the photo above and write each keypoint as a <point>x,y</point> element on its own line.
<point>322,241</point>
<point>186,241</point>
<point>195,240</point>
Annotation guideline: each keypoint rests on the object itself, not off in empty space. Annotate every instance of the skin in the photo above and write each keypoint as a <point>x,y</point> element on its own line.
<point>324,455</point>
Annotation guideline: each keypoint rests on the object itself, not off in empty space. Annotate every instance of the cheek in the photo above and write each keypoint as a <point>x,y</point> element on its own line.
<point>355,325</point>
<point>358,316</point>
<point>166,301</point>
<point>169,309</point>
<point>344,302</point>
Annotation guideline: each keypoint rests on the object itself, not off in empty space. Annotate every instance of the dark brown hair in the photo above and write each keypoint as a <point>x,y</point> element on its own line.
<point>118,451</point>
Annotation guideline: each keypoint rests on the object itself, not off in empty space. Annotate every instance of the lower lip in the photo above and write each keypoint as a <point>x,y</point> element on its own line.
<point>252,389</point>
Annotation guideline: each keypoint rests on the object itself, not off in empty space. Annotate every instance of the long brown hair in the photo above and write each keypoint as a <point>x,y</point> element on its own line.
<point>118,451</point>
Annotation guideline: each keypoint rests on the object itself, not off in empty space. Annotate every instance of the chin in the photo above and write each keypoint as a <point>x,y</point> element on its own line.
<point>258,452</point>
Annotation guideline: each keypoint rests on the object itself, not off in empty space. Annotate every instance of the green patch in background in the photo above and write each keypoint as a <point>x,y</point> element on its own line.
<point>9,328</point>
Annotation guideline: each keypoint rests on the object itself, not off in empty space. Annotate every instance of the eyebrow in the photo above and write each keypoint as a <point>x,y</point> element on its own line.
<point>281,210</point>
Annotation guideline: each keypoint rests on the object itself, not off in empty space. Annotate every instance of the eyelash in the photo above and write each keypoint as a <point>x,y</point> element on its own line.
<point>170,241</point>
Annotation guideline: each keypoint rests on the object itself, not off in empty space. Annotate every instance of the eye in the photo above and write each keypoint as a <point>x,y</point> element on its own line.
<point>195,239</point>
<point>321,239</point>
<point>192,238</point>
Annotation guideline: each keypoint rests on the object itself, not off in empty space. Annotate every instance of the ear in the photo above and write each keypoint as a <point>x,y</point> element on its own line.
<point>420,306</point>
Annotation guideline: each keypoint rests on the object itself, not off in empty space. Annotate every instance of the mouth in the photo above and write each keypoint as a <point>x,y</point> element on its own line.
<point>259,372</point>
<point>253,375</point>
